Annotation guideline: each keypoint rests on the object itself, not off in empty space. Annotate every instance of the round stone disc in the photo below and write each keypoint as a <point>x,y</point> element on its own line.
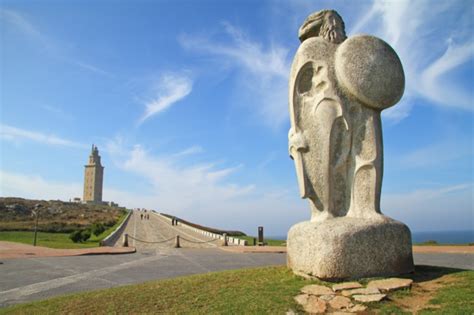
<point>370,70</point>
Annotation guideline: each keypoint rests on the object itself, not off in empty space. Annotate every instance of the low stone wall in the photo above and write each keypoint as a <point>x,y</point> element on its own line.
<point>114,236</point>
<point>230,240</point>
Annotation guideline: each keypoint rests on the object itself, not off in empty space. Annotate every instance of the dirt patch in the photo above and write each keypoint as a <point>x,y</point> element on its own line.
<point>421,293</point>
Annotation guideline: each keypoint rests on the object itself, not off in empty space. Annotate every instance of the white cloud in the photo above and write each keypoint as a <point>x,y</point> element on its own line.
<point>264,71</point>
<point>36,187</point>
<point>14,134</point>
<point>24,25</point>
<point>429,49</point>
<point>436,154</point>
<point>435,81</point>
<point>441,209</point>
<point>189,151</point>
<point>170,89</point>
<point>205,192</point>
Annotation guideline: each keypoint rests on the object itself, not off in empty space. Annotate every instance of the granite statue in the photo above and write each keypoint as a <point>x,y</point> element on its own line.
<point>338,88</point>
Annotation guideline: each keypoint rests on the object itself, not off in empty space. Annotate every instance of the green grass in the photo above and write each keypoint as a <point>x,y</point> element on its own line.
<point>269,242</point>
<point>455,298</point>
<point>56,240</point>
<point>267,290</point>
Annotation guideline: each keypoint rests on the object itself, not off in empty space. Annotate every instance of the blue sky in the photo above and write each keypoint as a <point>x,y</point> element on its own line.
<point>187,102</point>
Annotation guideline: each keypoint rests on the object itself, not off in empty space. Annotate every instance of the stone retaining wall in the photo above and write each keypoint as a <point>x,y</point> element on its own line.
<point>115,235</point>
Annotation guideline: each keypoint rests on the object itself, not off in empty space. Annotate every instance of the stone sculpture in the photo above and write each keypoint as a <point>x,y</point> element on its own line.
<point>338,87</point>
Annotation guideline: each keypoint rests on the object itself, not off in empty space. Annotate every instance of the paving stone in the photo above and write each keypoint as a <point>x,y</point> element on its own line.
<point>301,299</point>
<point>315,289</point>
<point>358,308</point>
<point>340,302</point>
<point>360,291</point>
<point>326,297</point>
<point>346,286</point>
<point>390,284</point>
<point>315,305</point>
<point>369,297</point>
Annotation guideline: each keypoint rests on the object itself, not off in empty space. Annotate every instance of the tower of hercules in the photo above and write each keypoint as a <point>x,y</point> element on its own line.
<point>93,178</point>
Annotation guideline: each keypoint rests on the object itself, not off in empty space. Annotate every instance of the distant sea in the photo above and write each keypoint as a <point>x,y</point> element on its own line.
<point>442,237</point>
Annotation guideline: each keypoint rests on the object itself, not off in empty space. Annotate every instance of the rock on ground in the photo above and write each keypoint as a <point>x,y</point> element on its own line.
<point>346,286</point>
<point>315,289</point>
<point>369,297</point>
<point>390,284</point>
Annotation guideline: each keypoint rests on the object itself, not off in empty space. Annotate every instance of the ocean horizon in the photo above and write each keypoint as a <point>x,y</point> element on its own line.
<point>441,237</point>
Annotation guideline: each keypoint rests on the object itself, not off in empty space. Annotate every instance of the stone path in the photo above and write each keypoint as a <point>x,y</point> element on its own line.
<point>160,231</point>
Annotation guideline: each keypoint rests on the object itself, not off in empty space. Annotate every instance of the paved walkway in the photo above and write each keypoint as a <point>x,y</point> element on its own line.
<point>157,232</point>
<point>11,250</point>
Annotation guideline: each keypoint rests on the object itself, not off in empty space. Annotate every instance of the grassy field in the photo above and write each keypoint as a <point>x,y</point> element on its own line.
<point>268,290</point>
<point>269,242</point>
<point>56,240</point>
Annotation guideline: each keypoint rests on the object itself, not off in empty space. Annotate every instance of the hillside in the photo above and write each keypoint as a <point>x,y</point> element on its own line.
<point>55,215</point>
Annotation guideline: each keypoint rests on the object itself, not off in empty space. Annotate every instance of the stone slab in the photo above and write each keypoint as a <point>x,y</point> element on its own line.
<point>390,284</point>
<point>314,289</point>
<point>360,291</point>
<point>346,286</point>
<point>369,297</point>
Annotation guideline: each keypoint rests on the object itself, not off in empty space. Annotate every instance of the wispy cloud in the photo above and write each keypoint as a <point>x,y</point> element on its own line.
<point>429,50</point>
<point>436,154</point>
<point>441,209</point>
<point>24,25</point>
<point>264,70</point>
<point>169,90</point>
<point>15,134</point>
<point>189,151</point>
<point>205,191</point>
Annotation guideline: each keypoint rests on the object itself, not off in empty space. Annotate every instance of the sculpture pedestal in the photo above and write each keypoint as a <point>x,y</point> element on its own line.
<point>349,248</point>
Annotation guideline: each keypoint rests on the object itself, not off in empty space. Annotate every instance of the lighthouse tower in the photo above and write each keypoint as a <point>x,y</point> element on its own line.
<point>93,178</point>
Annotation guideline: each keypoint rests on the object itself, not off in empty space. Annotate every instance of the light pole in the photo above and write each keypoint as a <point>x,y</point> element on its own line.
<point>36,214</point>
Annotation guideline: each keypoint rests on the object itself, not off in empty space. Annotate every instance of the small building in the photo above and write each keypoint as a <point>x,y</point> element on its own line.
<point>93,178</point>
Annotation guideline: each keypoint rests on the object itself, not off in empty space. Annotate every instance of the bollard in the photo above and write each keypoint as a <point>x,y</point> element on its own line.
<point>125,240</point>
<point>176,245</point>
<point>226,243</point>
<point>260,236</point>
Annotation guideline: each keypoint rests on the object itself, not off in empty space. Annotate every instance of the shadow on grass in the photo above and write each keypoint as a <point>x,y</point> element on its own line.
<point>426,273</point>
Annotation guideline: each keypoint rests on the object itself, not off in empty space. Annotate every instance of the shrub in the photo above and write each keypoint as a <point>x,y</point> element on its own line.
<point>97,229</point>
<point>76,236</point>
<point>85,235</point>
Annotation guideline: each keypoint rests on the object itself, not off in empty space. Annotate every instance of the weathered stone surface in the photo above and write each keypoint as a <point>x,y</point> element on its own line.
<point>337,90</point>
<point>301,299</point>
<point>315,305</point>
<point>326,297</point>
<point>369,297</point>
<point>358,308</point>
<point>360,291</point>
<point>370,70</point>
<point>290,312</point>
<point>390,284</point>
<point>340,302</point>
<point>346,286</point>
<point>317,290</point>
<point>346,248</point>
